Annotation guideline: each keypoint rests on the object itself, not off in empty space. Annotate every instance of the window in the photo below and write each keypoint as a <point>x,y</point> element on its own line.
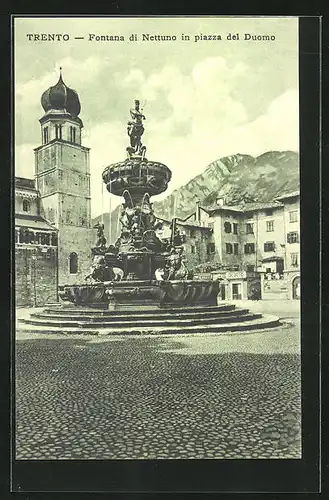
<point>268,212</point>
<point>250,269</point>
<point>72,134</point>
<point>54,239</point>
<point>43,238</point>
<point>270,226</point>
<point>269,246</point>
<point>249,228</point>
<point>68,217</point>
<point>27,236</point>
<point>294,259</point>
<point>293,216</point>
<point>51,214</point>
<point>192,233</point>
<point>73,261</point>
<point>235,228</point>
<point>210,248</point>
<point>249,248</point>
<point>227,227</point>
<point>229,248</point>
<point>26,206</point>
<point>22,236</point>
<point>45,135</point>
<point>236,248</point>
<point>293,237</point>
<point>58,131</point>
<point>192,248</point>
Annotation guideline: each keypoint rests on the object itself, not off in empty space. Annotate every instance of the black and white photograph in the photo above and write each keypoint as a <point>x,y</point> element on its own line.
<point>157,238</point>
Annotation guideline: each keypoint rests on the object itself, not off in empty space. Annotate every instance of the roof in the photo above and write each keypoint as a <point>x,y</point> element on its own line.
<point>24,183</point>
<point>291,194</point>
<point>250,207</point>
<point>33,222</point>
<point>246,207</point>
<point>181,222</point>
<point>194,226</point>
<point>227,208</point>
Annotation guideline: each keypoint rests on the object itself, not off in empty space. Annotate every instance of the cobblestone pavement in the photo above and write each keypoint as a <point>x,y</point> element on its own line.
<point>207,396</point>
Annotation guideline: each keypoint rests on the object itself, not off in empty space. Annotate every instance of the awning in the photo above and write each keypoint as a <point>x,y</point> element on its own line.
<point>275,258</point>
<point>34,223</point>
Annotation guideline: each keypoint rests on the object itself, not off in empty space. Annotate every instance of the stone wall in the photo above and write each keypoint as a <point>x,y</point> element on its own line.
<point>195,246</point>
<point>35,279</point>
<point>79,240</point>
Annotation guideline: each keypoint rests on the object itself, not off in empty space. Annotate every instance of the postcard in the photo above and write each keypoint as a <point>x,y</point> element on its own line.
<point>157,239</point>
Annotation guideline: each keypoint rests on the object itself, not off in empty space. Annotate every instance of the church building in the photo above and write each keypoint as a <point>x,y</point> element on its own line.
<point>62,174</point>
<point>53,233</point>
<point>36,241</point>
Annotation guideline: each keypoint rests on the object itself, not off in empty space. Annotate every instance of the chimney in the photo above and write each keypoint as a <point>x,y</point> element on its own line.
<point>197,213</point>
<point>220,202</point>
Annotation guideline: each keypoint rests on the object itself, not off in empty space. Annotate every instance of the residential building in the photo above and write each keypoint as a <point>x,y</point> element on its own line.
<point>291,226</point>
<point>261,238</point>
<point>196,238</point>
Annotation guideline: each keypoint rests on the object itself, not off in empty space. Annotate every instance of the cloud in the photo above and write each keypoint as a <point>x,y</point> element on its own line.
<point>277,129</point>
<point>28,94</point>
<point>24,161</point>
<point>192,117</point>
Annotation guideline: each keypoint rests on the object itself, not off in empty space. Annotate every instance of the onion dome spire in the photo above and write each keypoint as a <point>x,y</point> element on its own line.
<point>61,97</point>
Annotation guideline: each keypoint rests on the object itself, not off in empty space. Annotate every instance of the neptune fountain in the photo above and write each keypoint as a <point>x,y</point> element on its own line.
<point>141,283</point>
<point>140,270</point>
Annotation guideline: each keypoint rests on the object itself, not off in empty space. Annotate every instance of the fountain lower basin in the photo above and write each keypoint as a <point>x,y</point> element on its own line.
<point>141,294</point>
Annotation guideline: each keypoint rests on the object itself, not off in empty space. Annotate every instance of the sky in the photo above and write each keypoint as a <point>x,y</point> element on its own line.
<point>203,99</point>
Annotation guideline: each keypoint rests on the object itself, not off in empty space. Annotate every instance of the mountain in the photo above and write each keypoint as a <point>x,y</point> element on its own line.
<point>238,178</point>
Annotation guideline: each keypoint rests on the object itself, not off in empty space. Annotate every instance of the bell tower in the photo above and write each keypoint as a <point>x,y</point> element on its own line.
<point>62,174</point>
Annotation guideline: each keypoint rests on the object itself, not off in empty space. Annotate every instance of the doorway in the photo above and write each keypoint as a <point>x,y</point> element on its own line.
<point>296,288</point>
<point>279,266</point>
<point>223,292</point>
<point>236,291</point>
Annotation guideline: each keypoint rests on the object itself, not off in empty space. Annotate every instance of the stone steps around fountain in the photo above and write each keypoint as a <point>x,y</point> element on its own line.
<point>71,310</point>
<point>133,316</point>
<point>154,322</point>
<point>263,322</point>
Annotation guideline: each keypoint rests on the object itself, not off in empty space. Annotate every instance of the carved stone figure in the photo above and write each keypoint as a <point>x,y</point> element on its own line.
<point>135,130</point>
<point>151,241</point>
<point>100,272</point>
<point>101,240</point>
<point>175,265</point>
<point>159,274</point>
<point>98,269</point>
